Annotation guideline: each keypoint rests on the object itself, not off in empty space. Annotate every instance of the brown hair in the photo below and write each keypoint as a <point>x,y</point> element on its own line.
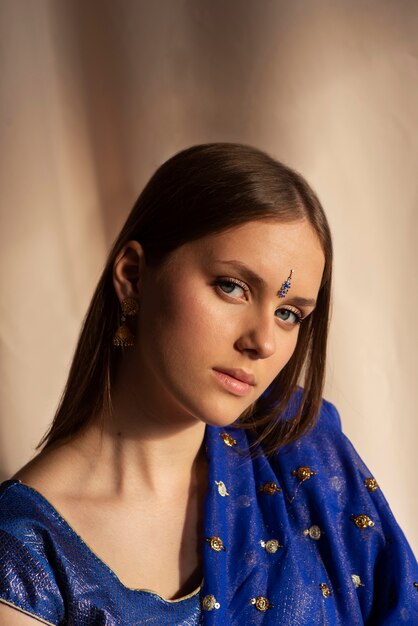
<point>202,190</point>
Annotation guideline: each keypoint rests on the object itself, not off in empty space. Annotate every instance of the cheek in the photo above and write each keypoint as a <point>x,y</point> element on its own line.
<point>192,327</point>
<point>285,346</point>
<point>178,321</point>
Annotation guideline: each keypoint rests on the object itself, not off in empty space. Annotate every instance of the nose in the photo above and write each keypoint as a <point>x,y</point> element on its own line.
<point>258,339</point>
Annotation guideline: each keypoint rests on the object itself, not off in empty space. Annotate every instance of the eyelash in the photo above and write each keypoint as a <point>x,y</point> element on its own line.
<point>234,281</point>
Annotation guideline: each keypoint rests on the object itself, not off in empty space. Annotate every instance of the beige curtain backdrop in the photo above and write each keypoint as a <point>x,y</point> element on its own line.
<point>96,94</point>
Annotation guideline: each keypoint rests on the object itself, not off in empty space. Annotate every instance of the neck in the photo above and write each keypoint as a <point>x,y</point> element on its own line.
<point>135,451</point>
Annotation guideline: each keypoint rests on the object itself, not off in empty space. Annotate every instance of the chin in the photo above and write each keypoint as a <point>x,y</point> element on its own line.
<point>222,415</point>
<point>210,406</point>
<point>219,423</point>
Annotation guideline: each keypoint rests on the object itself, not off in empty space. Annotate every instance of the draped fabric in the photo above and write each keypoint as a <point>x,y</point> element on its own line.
<point>95,95</point>
<point>308,537</point>
<point>305,538</point>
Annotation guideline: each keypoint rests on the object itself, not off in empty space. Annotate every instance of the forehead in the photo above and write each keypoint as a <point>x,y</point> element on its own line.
<point>269,248</point>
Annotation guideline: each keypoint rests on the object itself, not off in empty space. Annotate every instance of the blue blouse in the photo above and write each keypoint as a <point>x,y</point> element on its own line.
<point>303,538</point>
<point>48,572</point>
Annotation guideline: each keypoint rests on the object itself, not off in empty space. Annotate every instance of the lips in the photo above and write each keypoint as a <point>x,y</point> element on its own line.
<point>239,374</point>
<point>235,381</point>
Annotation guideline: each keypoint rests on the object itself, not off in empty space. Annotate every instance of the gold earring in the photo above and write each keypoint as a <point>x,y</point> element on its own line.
<point>124,337</point>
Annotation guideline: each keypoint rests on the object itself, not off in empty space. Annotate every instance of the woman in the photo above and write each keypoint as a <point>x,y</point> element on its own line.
<point>186,477</point>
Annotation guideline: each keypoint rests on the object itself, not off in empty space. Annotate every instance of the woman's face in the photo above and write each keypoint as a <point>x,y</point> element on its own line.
<point>212,331</point>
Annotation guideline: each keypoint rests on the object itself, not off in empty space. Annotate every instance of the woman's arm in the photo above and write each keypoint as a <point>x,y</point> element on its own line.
<point>13,617</point>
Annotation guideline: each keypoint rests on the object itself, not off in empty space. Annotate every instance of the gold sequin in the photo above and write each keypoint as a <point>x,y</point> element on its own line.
<point>371,484</point>
<point>261,603</point>
<point>271,546</point>
<point>314,532</point>
<point>228,440</point>
<point>216,543</point>
<point>326,591</point>
<point>362,521</point>
<point>303,473</point>
<point>356,580</point>
<point>221,488</point>
<point>416,585</point>
<point>269,488</point>
<point>209,603</point>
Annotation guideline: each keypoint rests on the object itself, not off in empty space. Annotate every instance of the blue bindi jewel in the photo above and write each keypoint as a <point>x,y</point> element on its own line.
<point>285,286</point>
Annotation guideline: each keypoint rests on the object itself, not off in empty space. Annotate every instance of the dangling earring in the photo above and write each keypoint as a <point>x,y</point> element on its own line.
<point>124,337</point>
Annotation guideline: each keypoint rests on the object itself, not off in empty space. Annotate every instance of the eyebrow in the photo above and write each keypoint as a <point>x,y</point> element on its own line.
<point>251,276</point>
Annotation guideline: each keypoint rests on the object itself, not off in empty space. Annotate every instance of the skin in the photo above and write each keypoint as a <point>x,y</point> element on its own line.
<point>192,320</point>
<point>181,308</point>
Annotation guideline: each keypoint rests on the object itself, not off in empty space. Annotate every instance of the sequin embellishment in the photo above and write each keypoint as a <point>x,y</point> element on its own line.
<point>209,603</point>
<point>261,603</point>
<point>371,484</point>
<point>362,521</point>
<point>314,532</point>
<point>269,488</point>
<point>416,586</point>
<point>326,591</point>
<point>228,440</point>
<point>271,546</point>
<point>216,543</point>
<point>356,580</point>
<point>221,488</point>
<point>303,473</point>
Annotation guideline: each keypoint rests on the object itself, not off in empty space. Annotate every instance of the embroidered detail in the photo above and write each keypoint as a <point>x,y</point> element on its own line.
<point>303,473</point>
<point>362,521</point>
<point>228,440</point>
<point>261,603</point>
<point>356,580</point>
<point>221,488</point>
<point>371,484</point>
<point>271,546</point>
<point>216,543</point>
<point>209,603</point>
<point>269,488</point>
<point>326,591</point>
<point>314,532</point>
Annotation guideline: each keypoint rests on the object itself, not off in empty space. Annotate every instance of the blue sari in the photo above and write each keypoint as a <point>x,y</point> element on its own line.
<point>303,538</point>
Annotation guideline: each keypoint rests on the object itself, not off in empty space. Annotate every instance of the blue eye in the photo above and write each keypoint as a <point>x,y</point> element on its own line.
<point>227,287</point>
<point>237,290</point>
<point>289,316</point>
<point>232,287</point>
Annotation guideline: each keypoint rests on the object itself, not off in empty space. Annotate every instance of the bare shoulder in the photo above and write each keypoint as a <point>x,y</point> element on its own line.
<point>11,616</point>
<point>48,471</point>
<point>61,469</point>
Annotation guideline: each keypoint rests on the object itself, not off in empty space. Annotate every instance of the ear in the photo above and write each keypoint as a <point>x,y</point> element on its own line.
<point>128,270</point>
